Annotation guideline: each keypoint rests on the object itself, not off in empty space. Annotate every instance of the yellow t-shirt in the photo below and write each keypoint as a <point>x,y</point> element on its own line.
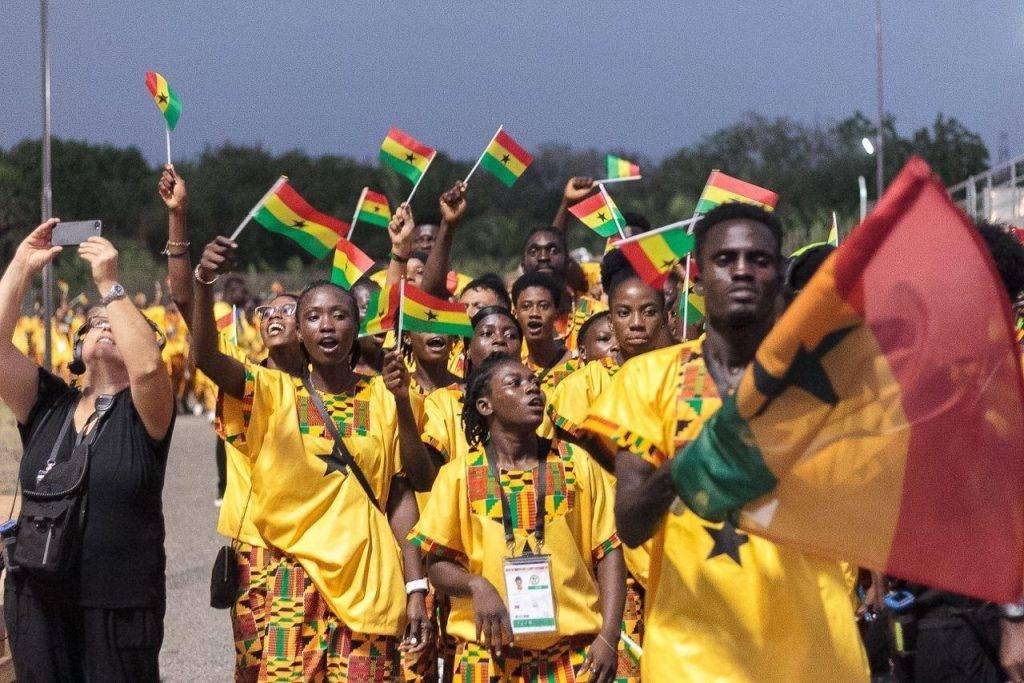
<point>462,523</point>
<point>442,422</point>
<point>305,504</point>
<point>550,377</point>
<point>568,326</point>
<point>244,334</point>
<point>722,604</point>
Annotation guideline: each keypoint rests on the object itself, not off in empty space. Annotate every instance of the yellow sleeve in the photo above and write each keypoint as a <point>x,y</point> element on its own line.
<point>443,529</point>
<point>244,423</point>
<point>603,535</point>
<point>385,418</point>
<point>635,411</point>
<point>569,403</point>
<point>438,423</point>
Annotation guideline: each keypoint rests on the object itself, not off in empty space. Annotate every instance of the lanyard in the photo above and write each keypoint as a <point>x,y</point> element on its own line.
<point>540,492</point>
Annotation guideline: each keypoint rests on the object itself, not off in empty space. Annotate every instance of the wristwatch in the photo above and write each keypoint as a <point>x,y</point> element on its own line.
<point>116,292</point>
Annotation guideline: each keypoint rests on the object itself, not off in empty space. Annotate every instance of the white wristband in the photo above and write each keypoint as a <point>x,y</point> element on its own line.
<point>416,586</point>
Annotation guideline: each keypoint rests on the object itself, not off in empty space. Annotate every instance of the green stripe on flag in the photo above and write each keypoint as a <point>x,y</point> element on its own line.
<point>432,326</point>
<point>705,205</point>
<point>722,469</point>
<point>507,177</point>
<point>402,166</point>
<point>373,219</point>
<point>304,239</point>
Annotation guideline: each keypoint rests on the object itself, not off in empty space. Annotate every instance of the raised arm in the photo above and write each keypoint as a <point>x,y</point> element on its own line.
<point>643,495</point>
<point>576,189</point>
<point>150,384</point>
<point>401,230</point>
<point>419,465</point>
<point>20,384</point>
<point>435,271</point>
<point>226,372</point>
<point>179,264</point>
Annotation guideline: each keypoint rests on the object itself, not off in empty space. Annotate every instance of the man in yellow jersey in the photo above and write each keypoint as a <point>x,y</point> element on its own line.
<point>722,604</point>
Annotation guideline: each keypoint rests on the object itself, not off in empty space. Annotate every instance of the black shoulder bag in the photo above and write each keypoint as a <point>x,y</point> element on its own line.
<point>52,516</point>
<point>224,578</point>
<point>340,449</point>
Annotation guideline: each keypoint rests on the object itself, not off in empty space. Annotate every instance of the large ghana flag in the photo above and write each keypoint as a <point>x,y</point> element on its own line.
<point>406,154</point>
<point>881,421</point>
<point>288,214</point>
<point>505,158</point>
<point>350,264</point>
<point>722,188</point>
<point>166,99</point>
<point>422,312</point>
<point>654,254</point>
<point>596,214</point>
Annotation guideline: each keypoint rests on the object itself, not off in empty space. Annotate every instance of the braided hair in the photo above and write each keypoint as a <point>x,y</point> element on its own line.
<point>327,284</point>
<point>477,383</point>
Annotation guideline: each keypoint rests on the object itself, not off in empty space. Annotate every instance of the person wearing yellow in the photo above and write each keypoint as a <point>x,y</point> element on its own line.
<point>597,338</point>
<point>28,337</point>
<point>721,604</point>
<point>336,508</point>
<point>536,298</point>
<point>518,498</point>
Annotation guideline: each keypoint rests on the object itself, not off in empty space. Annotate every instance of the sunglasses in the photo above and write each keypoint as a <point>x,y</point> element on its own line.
<point>264,312</point>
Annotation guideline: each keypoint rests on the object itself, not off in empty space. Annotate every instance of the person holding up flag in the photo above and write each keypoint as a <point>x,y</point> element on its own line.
<point>721,604</point>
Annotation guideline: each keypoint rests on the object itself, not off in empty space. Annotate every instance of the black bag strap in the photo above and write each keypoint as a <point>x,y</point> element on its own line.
<point>85,441</point>
<point>339,445</point>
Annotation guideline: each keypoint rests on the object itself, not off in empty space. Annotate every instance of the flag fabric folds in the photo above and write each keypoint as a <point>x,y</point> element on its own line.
<point>598,215</point>
<point>422,312</point>
<point>374,209</point>
<point>620,168</point>
<point>381,311</point>
<point>288,214</point>
<point>167,100</point>
<point>691,308</point>
<point>350,264</point>
<point>722,188</point>
<point>654,254</point>
<point>881,420</point>
<point>406,154</point>
<point>505,158</point>
<point>226,320</point>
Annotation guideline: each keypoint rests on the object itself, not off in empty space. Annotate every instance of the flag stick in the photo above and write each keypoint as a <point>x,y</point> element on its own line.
<point>611,207</point>
<point>234,324</point>
<point>420,180</point>
<point>167,138</point>
<point>631,644</point>
<point>664,228</point>
<point>401,303</point>
<point>618,180</point>
<point>481,157</point>
<point>248,217</point>
<point>355,214</point>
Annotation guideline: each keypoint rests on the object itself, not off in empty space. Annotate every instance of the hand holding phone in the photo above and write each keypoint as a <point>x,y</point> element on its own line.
<point>75,232</point>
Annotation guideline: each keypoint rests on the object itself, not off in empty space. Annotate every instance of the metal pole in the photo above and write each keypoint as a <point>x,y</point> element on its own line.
<point>880,151</point>
<point>47,194</point>
<point>862,187</point>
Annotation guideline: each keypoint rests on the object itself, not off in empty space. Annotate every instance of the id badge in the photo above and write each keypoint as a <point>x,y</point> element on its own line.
<point>531,602</point>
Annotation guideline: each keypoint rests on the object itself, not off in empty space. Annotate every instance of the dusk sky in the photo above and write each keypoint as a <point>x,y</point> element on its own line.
<point>644,76</point>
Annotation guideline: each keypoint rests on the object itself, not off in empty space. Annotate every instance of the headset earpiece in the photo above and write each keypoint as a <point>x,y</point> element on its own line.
<point>77,364</point>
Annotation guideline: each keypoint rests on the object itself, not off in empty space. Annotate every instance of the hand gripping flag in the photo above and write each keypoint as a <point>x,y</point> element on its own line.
<point>882,419</point>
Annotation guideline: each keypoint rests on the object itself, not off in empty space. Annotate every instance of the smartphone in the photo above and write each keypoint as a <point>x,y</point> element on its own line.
<point>75,232</point>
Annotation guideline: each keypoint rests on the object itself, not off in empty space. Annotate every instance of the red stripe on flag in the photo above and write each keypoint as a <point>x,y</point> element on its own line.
<point>296,203</point>
<point>376,197</point>
<point>355,255</point>
<point>151,82</point>
<point>421,297</point>
<point>749,190</point>
<point>513,148</point>
<point>585,207</point>
<point>409,142</point>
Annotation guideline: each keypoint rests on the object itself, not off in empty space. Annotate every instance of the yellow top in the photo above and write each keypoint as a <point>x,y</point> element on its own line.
<point>245,334</point>
<point>568,326</point>
<point>28,336</point>
<point>462,522</point>
<point>442,422</point>
<point>722,604</point>
<point>307,505</point>
<point>550,377</point>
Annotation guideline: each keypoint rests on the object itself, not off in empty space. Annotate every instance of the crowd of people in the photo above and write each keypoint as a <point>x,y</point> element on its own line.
<point>424,508</point>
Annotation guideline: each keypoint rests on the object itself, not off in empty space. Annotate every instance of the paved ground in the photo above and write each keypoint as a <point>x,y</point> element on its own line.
<point>197,642</point>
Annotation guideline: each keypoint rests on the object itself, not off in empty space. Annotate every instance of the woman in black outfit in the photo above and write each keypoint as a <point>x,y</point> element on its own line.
<point>103,618</point>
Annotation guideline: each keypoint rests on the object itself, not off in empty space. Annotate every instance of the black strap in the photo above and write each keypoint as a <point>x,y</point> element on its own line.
<point>52,460</point>
<point>540,492</point>
<point>102,406</point>
<point>339,445</point>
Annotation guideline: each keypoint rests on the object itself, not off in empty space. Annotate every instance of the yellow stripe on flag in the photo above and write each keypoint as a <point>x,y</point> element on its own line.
<point>283,213</point>
<point>401,152</point>
<point>513,164</point>
<point>721,196</point>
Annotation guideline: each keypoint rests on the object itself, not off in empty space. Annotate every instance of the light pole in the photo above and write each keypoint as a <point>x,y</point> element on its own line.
<point>46,209</point>
<point>880,150</point>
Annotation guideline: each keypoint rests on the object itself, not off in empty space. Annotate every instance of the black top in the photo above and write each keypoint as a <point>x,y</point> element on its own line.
<point>123,560</point>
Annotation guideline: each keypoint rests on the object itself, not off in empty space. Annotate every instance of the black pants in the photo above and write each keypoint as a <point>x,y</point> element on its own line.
<point>222,468</point>
<point>950,650</point>
<point>53,639</point>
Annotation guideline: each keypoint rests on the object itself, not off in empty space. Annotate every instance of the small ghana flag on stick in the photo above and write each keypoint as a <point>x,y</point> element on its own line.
<point>653,254</point>
<point>407,155</point>
<point>881,419</point>
<point>350,264</point>
<point>620,170</point>
<point>599,213</point>
<point>371,208</point>
<point>381,311</point>
<point>229,319</point>
<point>283,211</point>
<point>422,312</point>
<point>694,306</point>
<point>722,188</point>
<point>167,102</point>
<point>504,158</point>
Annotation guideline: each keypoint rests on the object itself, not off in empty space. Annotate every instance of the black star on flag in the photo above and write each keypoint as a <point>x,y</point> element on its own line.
<point>806,372</point>
<point>505,159</point>
<point>727,541</point>
<point>334,463</point>
<point>601,217</point>
<point>668,263</point>
<point>162,98</point>
<point>410,157</point>
<point>431,315</point>
<point>299,224</point>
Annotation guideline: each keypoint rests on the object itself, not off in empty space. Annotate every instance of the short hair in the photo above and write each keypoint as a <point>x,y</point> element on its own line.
<point>616,270</point>
<point>737,211</point>
<point>535,279</point>
<point>1008,254</point>
<point>325,284</point>
<point>365,283</point>
<point>804,265</point>
<point>420,256</point>
<point>549,229</point>
<point>588,324</point>
<point>492,282</point>
<point>477,380</point>
<point>235,280</point>
<point>488,311</point>
<point>636,220</point>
